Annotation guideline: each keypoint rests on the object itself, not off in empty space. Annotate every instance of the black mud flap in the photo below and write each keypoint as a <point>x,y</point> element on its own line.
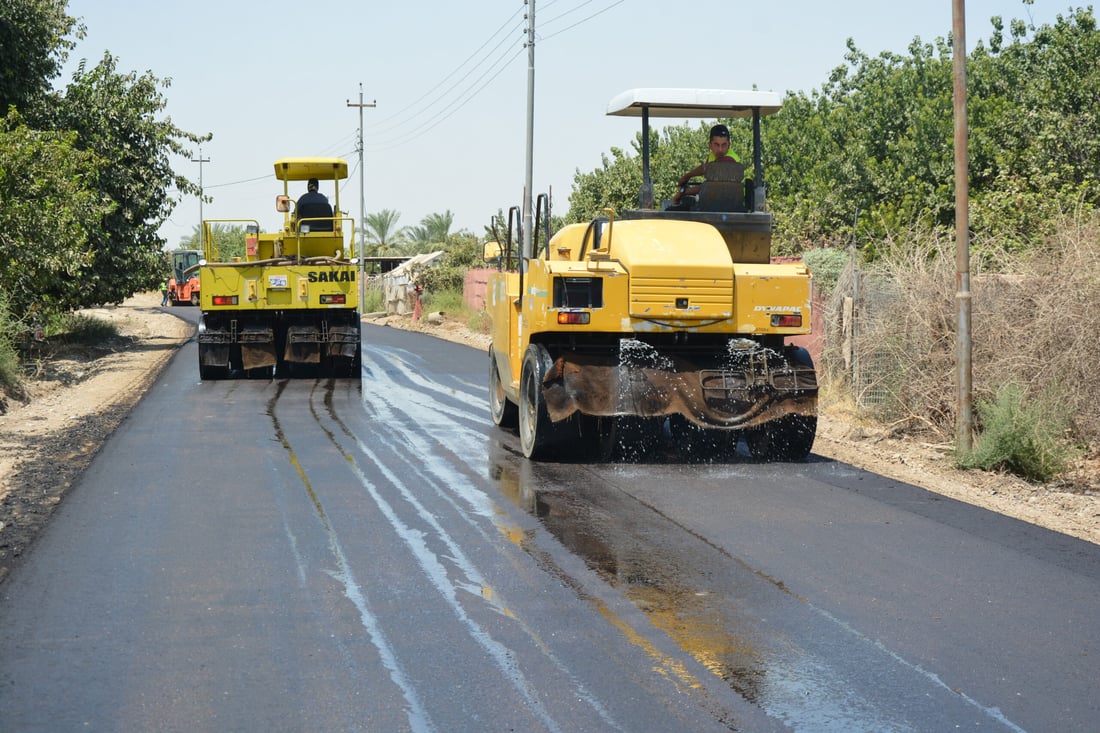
<point>214,355</point>
<point>343,341</point>
<point>303,345</point>
<point>257,347</point>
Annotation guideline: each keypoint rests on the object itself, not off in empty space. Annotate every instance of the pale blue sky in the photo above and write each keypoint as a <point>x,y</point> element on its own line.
<point>271,80</point>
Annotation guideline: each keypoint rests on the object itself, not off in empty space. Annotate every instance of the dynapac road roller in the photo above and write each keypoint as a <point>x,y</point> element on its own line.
<point>290,305</point>
<point>661,321</point>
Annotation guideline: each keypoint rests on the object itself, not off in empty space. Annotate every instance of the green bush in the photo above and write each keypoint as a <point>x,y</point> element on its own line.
<point>373,301</point>
<point>826,264</point>
<point>452,303</point>
<point>1020,434</point>
<point>10,376</point>
<point>80,328</point>
<point>449,300</point>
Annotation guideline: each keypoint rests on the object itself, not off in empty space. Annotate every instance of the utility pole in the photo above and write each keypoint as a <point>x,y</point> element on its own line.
<point>528,247</point>
<point>964,440</point>
<point>202,234</point>
<point>362,210</point>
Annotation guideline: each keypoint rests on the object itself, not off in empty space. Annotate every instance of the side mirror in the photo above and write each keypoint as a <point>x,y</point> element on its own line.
<point>491,251</point>
<point>282,203</point>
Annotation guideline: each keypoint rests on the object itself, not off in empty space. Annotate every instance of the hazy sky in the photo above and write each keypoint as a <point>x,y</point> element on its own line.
<point>272,79</point>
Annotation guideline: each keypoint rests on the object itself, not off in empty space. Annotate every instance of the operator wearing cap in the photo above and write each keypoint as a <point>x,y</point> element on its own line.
<point>719,150</point>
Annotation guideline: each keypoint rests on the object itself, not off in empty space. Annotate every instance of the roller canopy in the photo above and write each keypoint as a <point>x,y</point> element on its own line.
<point>693,103</point>
<point>302,169</point>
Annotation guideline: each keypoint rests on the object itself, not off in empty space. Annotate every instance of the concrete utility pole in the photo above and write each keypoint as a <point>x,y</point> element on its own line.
<point>528,249</point>
<point>963,351</point>
<point>362,210</point>
<point>202,229</point>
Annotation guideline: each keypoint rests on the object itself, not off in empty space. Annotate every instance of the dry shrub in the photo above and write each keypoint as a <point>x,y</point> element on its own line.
<point>1031,325</point>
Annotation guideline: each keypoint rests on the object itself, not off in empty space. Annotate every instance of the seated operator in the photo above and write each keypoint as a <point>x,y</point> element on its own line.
<point>719,151</point>
<point>314,204</point>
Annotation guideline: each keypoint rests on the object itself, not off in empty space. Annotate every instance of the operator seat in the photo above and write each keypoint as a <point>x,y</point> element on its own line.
<point>724,187</point>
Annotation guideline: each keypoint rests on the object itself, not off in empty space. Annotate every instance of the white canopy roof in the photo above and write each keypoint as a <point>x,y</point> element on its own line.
<point>670,102</point>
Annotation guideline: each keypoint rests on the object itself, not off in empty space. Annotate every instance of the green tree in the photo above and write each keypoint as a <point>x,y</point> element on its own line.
<point>34,43</point>
<point>438,226</point>
<point>115,116</point>
<point>49,207</point>
<point>432,233</point>
<point>382,234</point>
<point>871,154</point>
<point>228,240</point>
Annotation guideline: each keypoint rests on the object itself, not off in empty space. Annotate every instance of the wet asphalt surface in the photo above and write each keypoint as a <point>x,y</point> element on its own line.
<point>321,555</point>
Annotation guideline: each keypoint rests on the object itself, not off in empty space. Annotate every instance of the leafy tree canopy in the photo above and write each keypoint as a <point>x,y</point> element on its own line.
<point>48,214</point>
<point>228,240</point>
<point>872,152</point>
<point>382,234</point>
<point>86,169</point>
<point>34,43</point>
<point>115,115</point>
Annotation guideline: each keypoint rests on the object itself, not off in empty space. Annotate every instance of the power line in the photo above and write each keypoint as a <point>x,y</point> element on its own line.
<point>579,22</point>
<point>467,97</point>
<point>424,117</point>
<point>237,183</point>
<point>419,99</point>
<point>454,98</point>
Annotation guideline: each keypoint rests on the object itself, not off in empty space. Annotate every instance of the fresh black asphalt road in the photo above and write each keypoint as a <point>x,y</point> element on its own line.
<point>330,555</point>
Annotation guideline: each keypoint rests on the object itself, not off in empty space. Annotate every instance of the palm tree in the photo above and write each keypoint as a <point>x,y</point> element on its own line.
<point>381,232</point>
<point>438,226</point>
<point>419,239</point>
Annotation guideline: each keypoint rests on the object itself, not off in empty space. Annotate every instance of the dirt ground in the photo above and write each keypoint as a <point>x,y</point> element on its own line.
<point>77,402</point>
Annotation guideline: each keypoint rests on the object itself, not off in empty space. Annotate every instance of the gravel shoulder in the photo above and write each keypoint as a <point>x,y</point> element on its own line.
<point>79,400</point>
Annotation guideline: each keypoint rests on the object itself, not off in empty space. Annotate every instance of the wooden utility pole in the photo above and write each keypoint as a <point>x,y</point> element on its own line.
<point>963,349</point>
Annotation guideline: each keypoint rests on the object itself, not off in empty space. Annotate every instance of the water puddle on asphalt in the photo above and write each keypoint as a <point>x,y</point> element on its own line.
<point>702,623</point>
<point>715,608</point>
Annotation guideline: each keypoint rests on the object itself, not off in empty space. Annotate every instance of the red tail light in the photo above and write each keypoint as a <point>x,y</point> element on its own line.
<point>225,300</point>
<point>339,299</point>
<point>579,318</point>
<point>787,320</point>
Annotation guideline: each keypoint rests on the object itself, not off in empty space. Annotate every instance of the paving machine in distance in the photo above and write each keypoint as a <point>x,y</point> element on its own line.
<point>290,305</point>
<point>616,332</point>
<point>184,285</point>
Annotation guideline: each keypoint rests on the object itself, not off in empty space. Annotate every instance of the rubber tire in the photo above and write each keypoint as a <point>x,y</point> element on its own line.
<point>210,373</point>
<point>504,412</point>
<point>790,438</point>
<point>597,437</point>
<point>701,445</point>
<point>537,435</point>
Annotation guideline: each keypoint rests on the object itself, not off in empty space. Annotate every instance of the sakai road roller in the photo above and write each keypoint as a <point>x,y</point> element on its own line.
<point>663,321</point>
<point>290,305</point>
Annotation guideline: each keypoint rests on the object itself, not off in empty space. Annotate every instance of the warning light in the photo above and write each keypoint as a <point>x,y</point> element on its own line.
<point>577,318</point>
